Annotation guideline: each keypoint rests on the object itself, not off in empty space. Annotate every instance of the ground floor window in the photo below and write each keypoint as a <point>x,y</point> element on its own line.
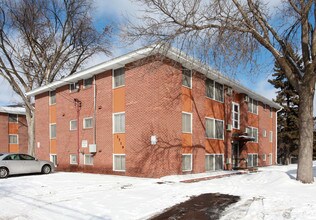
<point>119,162</point>
<point>214,162</point>
<point>252,160</point>
<point>88,159</point>
<point>53,158</point>
<point>270,158</point>
<point>13,139</point>
<point>186,162</point>
<point>264,157</point>
<point>73,159</point>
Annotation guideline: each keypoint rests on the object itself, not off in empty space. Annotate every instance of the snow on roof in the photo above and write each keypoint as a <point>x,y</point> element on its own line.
<point>171,53</point>
<point>12,110</point>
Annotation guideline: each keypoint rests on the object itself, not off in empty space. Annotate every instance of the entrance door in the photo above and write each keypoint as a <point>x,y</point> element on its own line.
<point>235,154</point>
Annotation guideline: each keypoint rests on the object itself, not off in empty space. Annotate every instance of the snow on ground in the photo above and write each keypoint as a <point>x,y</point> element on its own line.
<point>272,193</point>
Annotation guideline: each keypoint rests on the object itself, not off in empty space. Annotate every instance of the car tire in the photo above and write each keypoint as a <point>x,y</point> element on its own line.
<point>4,172</point>
<point>46,169</point>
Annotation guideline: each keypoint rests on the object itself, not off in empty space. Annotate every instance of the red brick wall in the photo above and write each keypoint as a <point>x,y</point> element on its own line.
<point>4,142</point>
<point>23,136</point>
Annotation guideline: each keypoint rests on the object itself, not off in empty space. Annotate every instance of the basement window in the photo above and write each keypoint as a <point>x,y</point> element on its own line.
<point>119,162</point>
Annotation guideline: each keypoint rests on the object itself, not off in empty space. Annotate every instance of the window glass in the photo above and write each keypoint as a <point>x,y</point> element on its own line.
<point>235,116</point>
<point>119,123</point>
<point>119,77</point>
<point>13,139</point>
<point>87,123</point>
<point>73,87</point>
<point>52,97</point>
<point>52,131</point>
<point>53,158</point>
<point>13,118</point>
<point>87,82</point>
<point>218,162</point>
<point>219,130</point>
<point>186,162</point>
<point>186,123</point>
<point>219,92</point>
<point>271,136</point>
<point>209,162</point>
<point>209,127</point>
<point>214,128</point>
<point>73,159</point>
<point>73,125</point>
<point>209,85</point>
<point>88,159</point>
<point>119,162</point>
<point>186,77</point>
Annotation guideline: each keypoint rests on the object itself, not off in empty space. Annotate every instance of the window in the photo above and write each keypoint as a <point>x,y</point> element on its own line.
<point>270,158</point>
<point>119,122</point>
<point>73,125</point>
<point>271,136</point>
<point>119,162</point>
<point>264,133</point>
<point>214,162</point>
<point>52,131</point>
<point>13,118</point>
<point>271,112</point>
<point>186,77</point>
<point>186,122</point>
<point>52,97</point>
<point>252,132</point>
<point>252,160</point>
<point>88,159</point>
<point>253,106</point>
<point>53,158</point>
<point>235,115</point>
<point>214,90</point>
<point>264,157</point>
<point>214,128</point>
<point>186,162</point>
<point>119,77</point>
<point>87,83</point>
<point>13,139</point>
<point>73,159</point>
<point>87,123</point>
<point>73,87</point>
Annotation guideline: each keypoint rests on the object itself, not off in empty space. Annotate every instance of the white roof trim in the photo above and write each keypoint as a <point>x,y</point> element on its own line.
<point>13,110</point>
<point>171,53</point>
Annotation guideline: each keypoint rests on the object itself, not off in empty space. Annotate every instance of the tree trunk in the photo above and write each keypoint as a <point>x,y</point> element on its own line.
<point>31,131</point>
<point>306,130</point>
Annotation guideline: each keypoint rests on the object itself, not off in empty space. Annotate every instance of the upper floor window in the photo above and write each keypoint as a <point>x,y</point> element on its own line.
<point>73,87</point>
<point>186,77</point>
<point>119,122</point>
<point>52,97</point>
<point>235,115</point>
<point>73,125</point>
<point>252,132</point>
<point>87,83</point>
<point>87,123</point>
<point>253,106</point>
<point>186,122</point>
<point>271,112</point>
<point>52,131</point>
<point>13,139</point>
<point>13,118</point>
<point>214,128</point>
<point>214,90</point>
<point>119,77</point>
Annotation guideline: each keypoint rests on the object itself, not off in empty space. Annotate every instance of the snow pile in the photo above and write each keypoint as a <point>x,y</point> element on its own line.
<point>272,193</point>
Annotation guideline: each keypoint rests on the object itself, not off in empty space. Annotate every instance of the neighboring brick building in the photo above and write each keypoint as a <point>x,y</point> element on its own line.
<point>13,130</point>
<point>141,115</point>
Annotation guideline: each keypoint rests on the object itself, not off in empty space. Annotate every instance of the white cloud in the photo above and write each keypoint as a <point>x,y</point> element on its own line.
<point>7,95</point>
<point>265,89</point>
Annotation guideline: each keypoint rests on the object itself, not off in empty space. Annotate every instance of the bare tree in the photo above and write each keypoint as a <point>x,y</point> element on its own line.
<point>42,40</point>
<point>234,32</point>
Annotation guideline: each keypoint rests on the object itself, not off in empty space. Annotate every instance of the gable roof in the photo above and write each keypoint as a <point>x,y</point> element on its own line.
<point>171,53</point>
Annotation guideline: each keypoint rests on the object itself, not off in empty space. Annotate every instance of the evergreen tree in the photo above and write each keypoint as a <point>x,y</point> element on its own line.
<point>288,119</point>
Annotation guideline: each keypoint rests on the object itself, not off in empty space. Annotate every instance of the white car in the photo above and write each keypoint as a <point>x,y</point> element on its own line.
<point>15,163</point>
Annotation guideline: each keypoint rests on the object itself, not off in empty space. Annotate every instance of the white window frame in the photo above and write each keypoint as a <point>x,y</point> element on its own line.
<point>51,156</point>
<point>17,118</point>
<point>264,157</point>
<point>84,123</point>
<point>184,69</point>
<point>214,128</point>
<point>17,138</point>
<point>113,78</point>
<point>50,131</point>
<point>264,133</point>
<point>50,98</point>
<point>113,122</point>
<point>191,164</point>
<point>214,161</point>
<point>70,159</point>
<point>84,159</point>
<point>118,170</point>
<point>214,91</point>
<point>251,102</point>
<point>270,158</point>
<point>76,87</point>
<point>252,165</point>
<point>233,114</point>
<point>256,138</point>
<point>85,86</point>
<point>271,136</point>
<point>70,128</point>
<point>191,121</point>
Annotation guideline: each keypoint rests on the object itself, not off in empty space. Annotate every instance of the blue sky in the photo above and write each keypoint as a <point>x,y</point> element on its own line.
<point>113,12</point>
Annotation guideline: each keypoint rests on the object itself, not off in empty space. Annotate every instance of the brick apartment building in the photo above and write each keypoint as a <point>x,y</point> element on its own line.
<point>148,114</point>
<point>13,130</point>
